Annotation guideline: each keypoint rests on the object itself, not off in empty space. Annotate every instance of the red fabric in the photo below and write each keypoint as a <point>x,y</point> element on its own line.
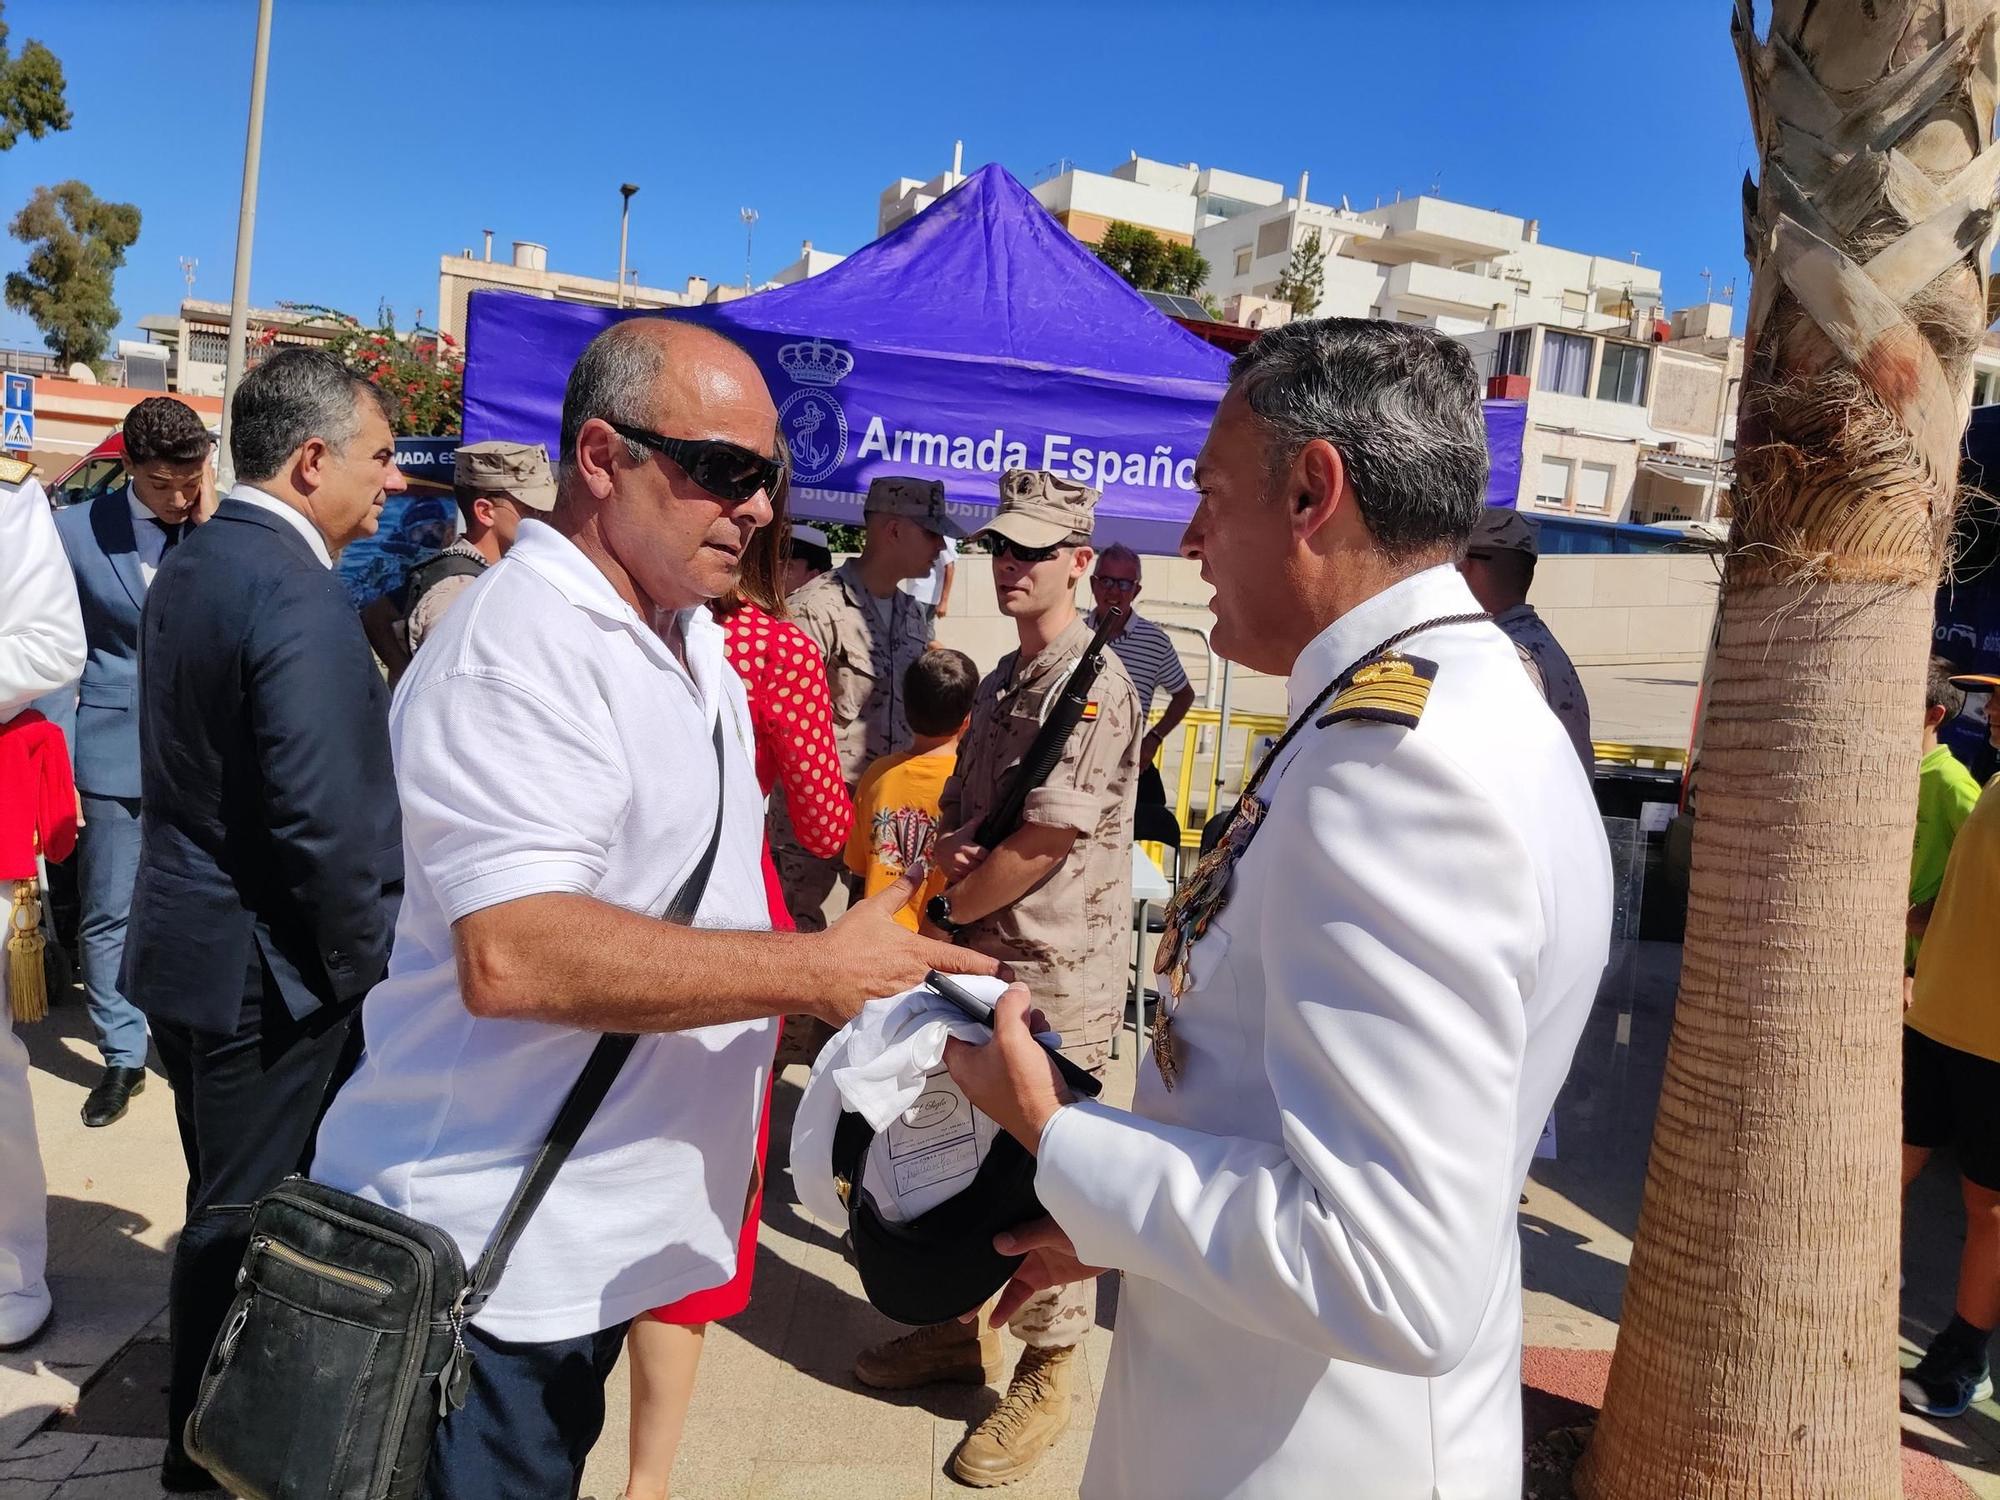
<point>37,795</point>
<point>792,723</point>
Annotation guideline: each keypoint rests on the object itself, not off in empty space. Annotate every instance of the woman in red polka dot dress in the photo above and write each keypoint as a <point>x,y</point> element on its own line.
<point>791,719</point>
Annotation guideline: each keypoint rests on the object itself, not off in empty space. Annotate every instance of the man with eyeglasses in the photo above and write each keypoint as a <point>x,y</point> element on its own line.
<point>869,631</point>
<point>1054,901</point>
<point>1149,658</point>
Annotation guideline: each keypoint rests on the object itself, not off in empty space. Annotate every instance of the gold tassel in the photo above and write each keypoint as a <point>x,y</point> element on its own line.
<point>27,981</point>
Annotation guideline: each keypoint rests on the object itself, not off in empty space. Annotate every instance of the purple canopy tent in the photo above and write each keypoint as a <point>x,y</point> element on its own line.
<point>977,337</point>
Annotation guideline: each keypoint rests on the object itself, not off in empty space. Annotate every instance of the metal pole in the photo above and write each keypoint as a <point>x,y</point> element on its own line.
<point>749,216</point>
<point>1221,743</point>
<point>246,233</point>
<point>625,191</point>
<point>1721,418</point>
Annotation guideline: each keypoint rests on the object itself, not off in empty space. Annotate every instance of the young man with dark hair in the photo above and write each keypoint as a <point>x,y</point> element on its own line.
<point>115,544</point>
<point>1951,1082</point>
<point>896,803</point>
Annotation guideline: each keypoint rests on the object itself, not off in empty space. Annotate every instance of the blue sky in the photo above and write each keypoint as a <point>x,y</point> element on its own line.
<point>395,132</point>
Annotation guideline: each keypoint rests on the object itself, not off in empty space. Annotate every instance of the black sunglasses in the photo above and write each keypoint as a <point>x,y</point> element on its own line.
<point>1008,547</point>
<point>729,473</point>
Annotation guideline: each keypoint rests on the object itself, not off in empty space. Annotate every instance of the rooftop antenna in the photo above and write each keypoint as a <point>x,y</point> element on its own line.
<point>1436,178</point>
<point>1729,292</point>
<point>1707,284</point>
<point>188,264</point>
<point>749,217</point>
<point>1635,256</point>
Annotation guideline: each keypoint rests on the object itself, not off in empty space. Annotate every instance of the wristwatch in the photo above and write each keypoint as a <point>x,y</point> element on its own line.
<point>937,911</point>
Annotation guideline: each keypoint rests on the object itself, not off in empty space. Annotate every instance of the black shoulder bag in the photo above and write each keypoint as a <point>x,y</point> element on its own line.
<point>345,1345</point>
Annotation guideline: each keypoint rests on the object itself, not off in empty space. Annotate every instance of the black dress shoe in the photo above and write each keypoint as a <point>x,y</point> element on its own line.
<point>113,1093</point>
<point>181,1475</point>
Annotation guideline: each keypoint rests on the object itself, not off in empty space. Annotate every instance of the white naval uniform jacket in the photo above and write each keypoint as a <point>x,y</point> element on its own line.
<point>1322,1292</point>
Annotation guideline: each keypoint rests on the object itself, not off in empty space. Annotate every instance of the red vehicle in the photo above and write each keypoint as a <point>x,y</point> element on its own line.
<point>98,472</point>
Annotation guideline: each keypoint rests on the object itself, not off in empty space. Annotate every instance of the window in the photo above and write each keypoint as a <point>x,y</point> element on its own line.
<point>1552,483</point>
<point>1510,354</point>
<point>1622,377</point>
<point>1576,302</point>
<point>98,477</point>
<point>1593,488</point>
<point>208,348</point>
<point>1243,261</point>
<point>1275,238</point>
<point>1565,363</point>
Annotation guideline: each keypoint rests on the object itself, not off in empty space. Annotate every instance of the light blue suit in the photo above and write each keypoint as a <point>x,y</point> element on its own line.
<point>104,559</point>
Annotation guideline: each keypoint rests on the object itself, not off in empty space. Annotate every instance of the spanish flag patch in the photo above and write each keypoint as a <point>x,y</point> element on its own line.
<point>1090,710</point>
<point>1389,690</point>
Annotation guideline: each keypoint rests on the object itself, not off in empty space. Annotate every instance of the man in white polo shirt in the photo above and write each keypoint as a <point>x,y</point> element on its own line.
<point>556,761</point>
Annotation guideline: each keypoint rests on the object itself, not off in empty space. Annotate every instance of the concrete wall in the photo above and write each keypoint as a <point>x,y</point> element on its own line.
<point>1611,610</point>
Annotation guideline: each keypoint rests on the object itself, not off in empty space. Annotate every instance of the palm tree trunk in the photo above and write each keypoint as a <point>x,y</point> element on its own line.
<point>1757,1350</point>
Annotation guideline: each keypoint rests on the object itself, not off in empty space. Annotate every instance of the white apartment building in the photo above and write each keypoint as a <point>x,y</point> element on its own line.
<point>1427,260</point>
<point>1622,424</point>
<point>459,276</point>
<point>1420,260</point>
<point>196,340</point>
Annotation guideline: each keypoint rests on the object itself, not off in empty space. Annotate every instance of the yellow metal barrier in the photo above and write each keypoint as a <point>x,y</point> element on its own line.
<point>1189,764</point>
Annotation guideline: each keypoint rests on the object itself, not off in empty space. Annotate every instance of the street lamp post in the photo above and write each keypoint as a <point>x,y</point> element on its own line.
<point>749,216</point>
<point>246,233</point>
<point>625,192</point>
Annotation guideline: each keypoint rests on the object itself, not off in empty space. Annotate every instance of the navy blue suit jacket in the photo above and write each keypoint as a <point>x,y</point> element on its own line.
<point>268,800</point>
<point>104,558</point>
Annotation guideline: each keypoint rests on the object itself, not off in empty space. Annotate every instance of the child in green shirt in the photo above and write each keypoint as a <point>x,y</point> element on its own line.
<point>1945,794</point>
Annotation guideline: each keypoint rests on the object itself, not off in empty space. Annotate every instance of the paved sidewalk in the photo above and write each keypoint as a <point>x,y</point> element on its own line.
<point>776,1413</point>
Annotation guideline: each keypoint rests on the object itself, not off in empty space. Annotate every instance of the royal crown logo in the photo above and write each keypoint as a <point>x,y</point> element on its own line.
<point>813,362</point>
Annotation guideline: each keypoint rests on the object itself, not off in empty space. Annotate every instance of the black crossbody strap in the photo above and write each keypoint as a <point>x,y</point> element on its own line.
<point>606,1059</point>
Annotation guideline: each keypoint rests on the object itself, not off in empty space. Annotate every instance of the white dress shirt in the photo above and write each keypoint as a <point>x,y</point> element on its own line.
<point>547,740</point>
<point>1317,1225</point>
<point>249,494</point>
<point>147,539</point>
<point>41,624</point>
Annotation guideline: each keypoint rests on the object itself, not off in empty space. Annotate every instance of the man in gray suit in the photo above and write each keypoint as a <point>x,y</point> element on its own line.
<point>115,545</point>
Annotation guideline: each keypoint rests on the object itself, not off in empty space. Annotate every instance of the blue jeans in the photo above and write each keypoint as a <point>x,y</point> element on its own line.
<point>108,858</point>
<point>529,1420</point>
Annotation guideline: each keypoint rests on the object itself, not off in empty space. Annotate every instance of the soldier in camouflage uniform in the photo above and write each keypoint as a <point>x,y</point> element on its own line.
<point>1499,567</point>
<point>1054,901</point>
<point>869,631</point>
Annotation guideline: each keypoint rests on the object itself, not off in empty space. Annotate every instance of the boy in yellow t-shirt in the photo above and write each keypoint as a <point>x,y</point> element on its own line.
<point>896,803</point>
<point>1951,1088</point>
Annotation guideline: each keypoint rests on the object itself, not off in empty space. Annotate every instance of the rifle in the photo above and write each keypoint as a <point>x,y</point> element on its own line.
<point>1047,749</point>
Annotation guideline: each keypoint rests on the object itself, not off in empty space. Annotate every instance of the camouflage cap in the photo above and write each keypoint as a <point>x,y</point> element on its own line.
<point>1501,528</point>
<point>520,471</point>
<point>920,500</point>
<point>1041,509</point>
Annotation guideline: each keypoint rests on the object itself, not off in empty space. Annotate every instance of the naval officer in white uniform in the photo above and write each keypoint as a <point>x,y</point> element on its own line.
<point>1374,984</point>
<point>41,649</point>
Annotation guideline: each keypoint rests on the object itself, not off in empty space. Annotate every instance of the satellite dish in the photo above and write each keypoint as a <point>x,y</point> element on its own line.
<point>83,374</point>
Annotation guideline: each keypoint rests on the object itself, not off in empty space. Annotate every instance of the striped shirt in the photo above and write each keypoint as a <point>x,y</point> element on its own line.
<point>1149,657</point>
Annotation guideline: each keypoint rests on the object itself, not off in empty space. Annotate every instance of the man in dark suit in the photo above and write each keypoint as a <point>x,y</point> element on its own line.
<point>115,545</point>
<point>271,855</point>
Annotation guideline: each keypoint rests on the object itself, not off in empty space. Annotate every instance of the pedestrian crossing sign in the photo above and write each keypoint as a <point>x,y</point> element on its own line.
<point>19,430</point>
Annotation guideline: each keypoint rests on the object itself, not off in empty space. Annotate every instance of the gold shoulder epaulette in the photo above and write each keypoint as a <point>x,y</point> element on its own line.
<point>15,470</point>
<point>1390,690</point>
